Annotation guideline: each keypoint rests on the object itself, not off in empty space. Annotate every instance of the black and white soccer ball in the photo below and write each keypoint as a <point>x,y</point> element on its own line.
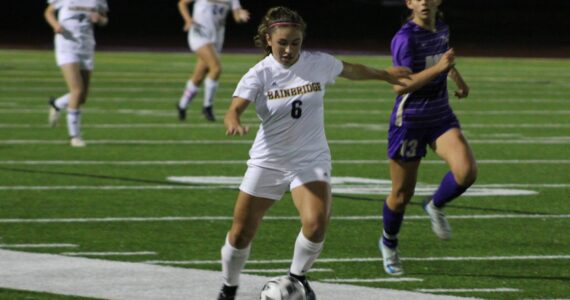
<point>283,288</point>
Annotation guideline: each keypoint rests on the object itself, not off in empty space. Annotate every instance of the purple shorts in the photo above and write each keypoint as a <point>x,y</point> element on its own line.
<point>410,144</point>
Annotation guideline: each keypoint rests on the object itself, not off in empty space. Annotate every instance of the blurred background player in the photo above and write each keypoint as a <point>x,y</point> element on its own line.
<point>290,151</point>
<point>206,28</point>
<point>74,51</point>
<point>422,116</point>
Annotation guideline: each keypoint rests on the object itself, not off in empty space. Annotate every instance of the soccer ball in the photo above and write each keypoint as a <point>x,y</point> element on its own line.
<point>283,288</point>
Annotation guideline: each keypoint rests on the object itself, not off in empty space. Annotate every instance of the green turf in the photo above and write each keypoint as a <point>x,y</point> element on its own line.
<point>518,110</point>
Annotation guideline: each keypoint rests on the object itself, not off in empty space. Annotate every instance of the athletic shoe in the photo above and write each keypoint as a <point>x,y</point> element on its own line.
<point>227,292</point>
<point>208,113</point>
<point>53,113</point>
<point>439,223</point>
<point>181,112</point>
<point>77,142</point>
<point>309,293</point>
<point>391,259</point>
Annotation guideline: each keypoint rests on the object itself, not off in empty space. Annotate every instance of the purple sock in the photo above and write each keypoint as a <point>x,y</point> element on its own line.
<point>392,223</point>
<point>448,190</point>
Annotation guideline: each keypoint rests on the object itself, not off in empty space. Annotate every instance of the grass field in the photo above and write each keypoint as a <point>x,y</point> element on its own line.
<point>114,200</point>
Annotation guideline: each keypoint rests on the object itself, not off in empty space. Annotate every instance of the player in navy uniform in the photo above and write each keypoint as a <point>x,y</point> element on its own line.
<point>422,116</point>
<point>290,151</point>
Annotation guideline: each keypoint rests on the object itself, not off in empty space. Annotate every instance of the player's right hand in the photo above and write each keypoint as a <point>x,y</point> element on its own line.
<point>58,28</point>
<point>447,61</point>
<point>233,130</point>
<point>187,26</point>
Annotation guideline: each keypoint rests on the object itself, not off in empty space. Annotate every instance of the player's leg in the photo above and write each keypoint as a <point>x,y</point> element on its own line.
<point>192,88</point>
<point>313,201</point>
<point>77,93</point>
<point>404,177</point>
<point>209,55</point>
<point>452,147</point>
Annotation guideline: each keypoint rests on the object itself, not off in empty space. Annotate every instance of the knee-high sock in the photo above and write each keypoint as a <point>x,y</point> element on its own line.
<point>233,262</point>
<point>189,92</point>
<point>305,254</point>
<point>448,190</point>
<point>392,223</point>
<point>62,101</point>
<point>210,88</point>
<point>74,122</point>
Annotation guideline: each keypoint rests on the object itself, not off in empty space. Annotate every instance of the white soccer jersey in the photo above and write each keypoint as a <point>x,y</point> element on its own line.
<point>289,103</point>
<point>212,13</point>
<point>74,17</point>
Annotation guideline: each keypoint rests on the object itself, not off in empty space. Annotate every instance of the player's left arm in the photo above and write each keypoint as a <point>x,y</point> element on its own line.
<point>462,87</point>
<point>240,15</point>
<point>392,75</point>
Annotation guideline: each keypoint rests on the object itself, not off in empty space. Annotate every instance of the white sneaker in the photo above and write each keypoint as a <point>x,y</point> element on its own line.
<point>439,223</point>
<point>54,113</point>
<point>391,259</point>
<point>77,142</point>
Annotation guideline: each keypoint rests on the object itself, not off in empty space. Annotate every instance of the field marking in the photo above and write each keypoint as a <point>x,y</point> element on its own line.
<point>126,253</point>
<point>371,280</point>
<point>96,278</point>
<point>32,246</point>
<point>489,290</point>
<point>267,218</point>
<point>554,140</point>
<point>284,271</point>
<point>372,259</point>
<point>243,162</point>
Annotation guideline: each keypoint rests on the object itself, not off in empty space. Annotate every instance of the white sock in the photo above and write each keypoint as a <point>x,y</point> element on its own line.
<point>210,88</point>
<point>62,101</point>
<point>306,252</point>
<point>189,92</point>
<point>73,122</point>
<point>233,262</point>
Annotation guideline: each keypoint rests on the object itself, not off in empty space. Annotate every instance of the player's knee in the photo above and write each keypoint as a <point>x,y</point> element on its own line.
<point>401,198</point>
<point>241,237</point>
<point>315,228</point>
<point>215,71</point>
<point>467,176</point>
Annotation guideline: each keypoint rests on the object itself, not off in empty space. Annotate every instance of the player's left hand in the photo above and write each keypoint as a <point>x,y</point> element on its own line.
<point>243,15</point>
<point>462,91</point>
<point>97,18</point>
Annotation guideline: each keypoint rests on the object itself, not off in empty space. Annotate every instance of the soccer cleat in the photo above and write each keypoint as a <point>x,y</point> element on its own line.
<point>227,292</point>
<point>439,223</point>
<point>391,259</point>
<point>77,142</point>
<point>208,113</point>
<point>54,113</point>
<point>181,112</point>
<point>309,293</point>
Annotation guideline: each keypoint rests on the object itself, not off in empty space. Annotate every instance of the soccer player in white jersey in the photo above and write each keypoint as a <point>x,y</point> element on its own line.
<point>206,28</point>
<point>290,151</point>
<point>74,51</point>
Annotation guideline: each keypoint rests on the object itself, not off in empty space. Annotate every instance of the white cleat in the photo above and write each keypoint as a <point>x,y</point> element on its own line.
<point>391,259</point>
<point>439,223</point>
<point>54,113</point>
<point>77,142</point>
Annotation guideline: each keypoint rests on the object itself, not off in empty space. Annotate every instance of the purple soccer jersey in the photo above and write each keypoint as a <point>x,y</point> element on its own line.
<point>418,49</point>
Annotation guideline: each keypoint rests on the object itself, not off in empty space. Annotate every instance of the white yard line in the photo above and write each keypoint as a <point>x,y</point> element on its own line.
<point>489,290</point>
<point>136,253</point>
<point>243,162</point>
<point>97,278</point>
<point>370,280</point>
<point>284,271</point>
<point>372,259</point>
<point>31,246</point>
<point>269,218</point>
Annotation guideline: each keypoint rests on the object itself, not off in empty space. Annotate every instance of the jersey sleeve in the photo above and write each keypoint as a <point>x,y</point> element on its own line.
<point>249,86</point>
<point>330,67</point>
<point>236,4</point>
<point>57,4</point>
<point>402,50</point>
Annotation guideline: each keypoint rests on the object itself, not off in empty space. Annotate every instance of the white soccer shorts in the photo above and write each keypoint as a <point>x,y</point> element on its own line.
<point>272,184</point>
<point>85,61</point>
<point>201,35</point>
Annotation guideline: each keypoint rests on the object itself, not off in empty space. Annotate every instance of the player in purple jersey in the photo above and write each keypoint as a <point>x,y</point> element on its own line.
<point>422,116</point>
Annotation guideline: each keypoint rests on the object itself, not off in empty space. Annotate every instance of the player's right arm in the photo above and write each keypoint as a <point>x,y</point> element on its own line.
<point>420,79</point>
<point>232,118</point>
<point>185,13</point>
<point>49,15</point>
